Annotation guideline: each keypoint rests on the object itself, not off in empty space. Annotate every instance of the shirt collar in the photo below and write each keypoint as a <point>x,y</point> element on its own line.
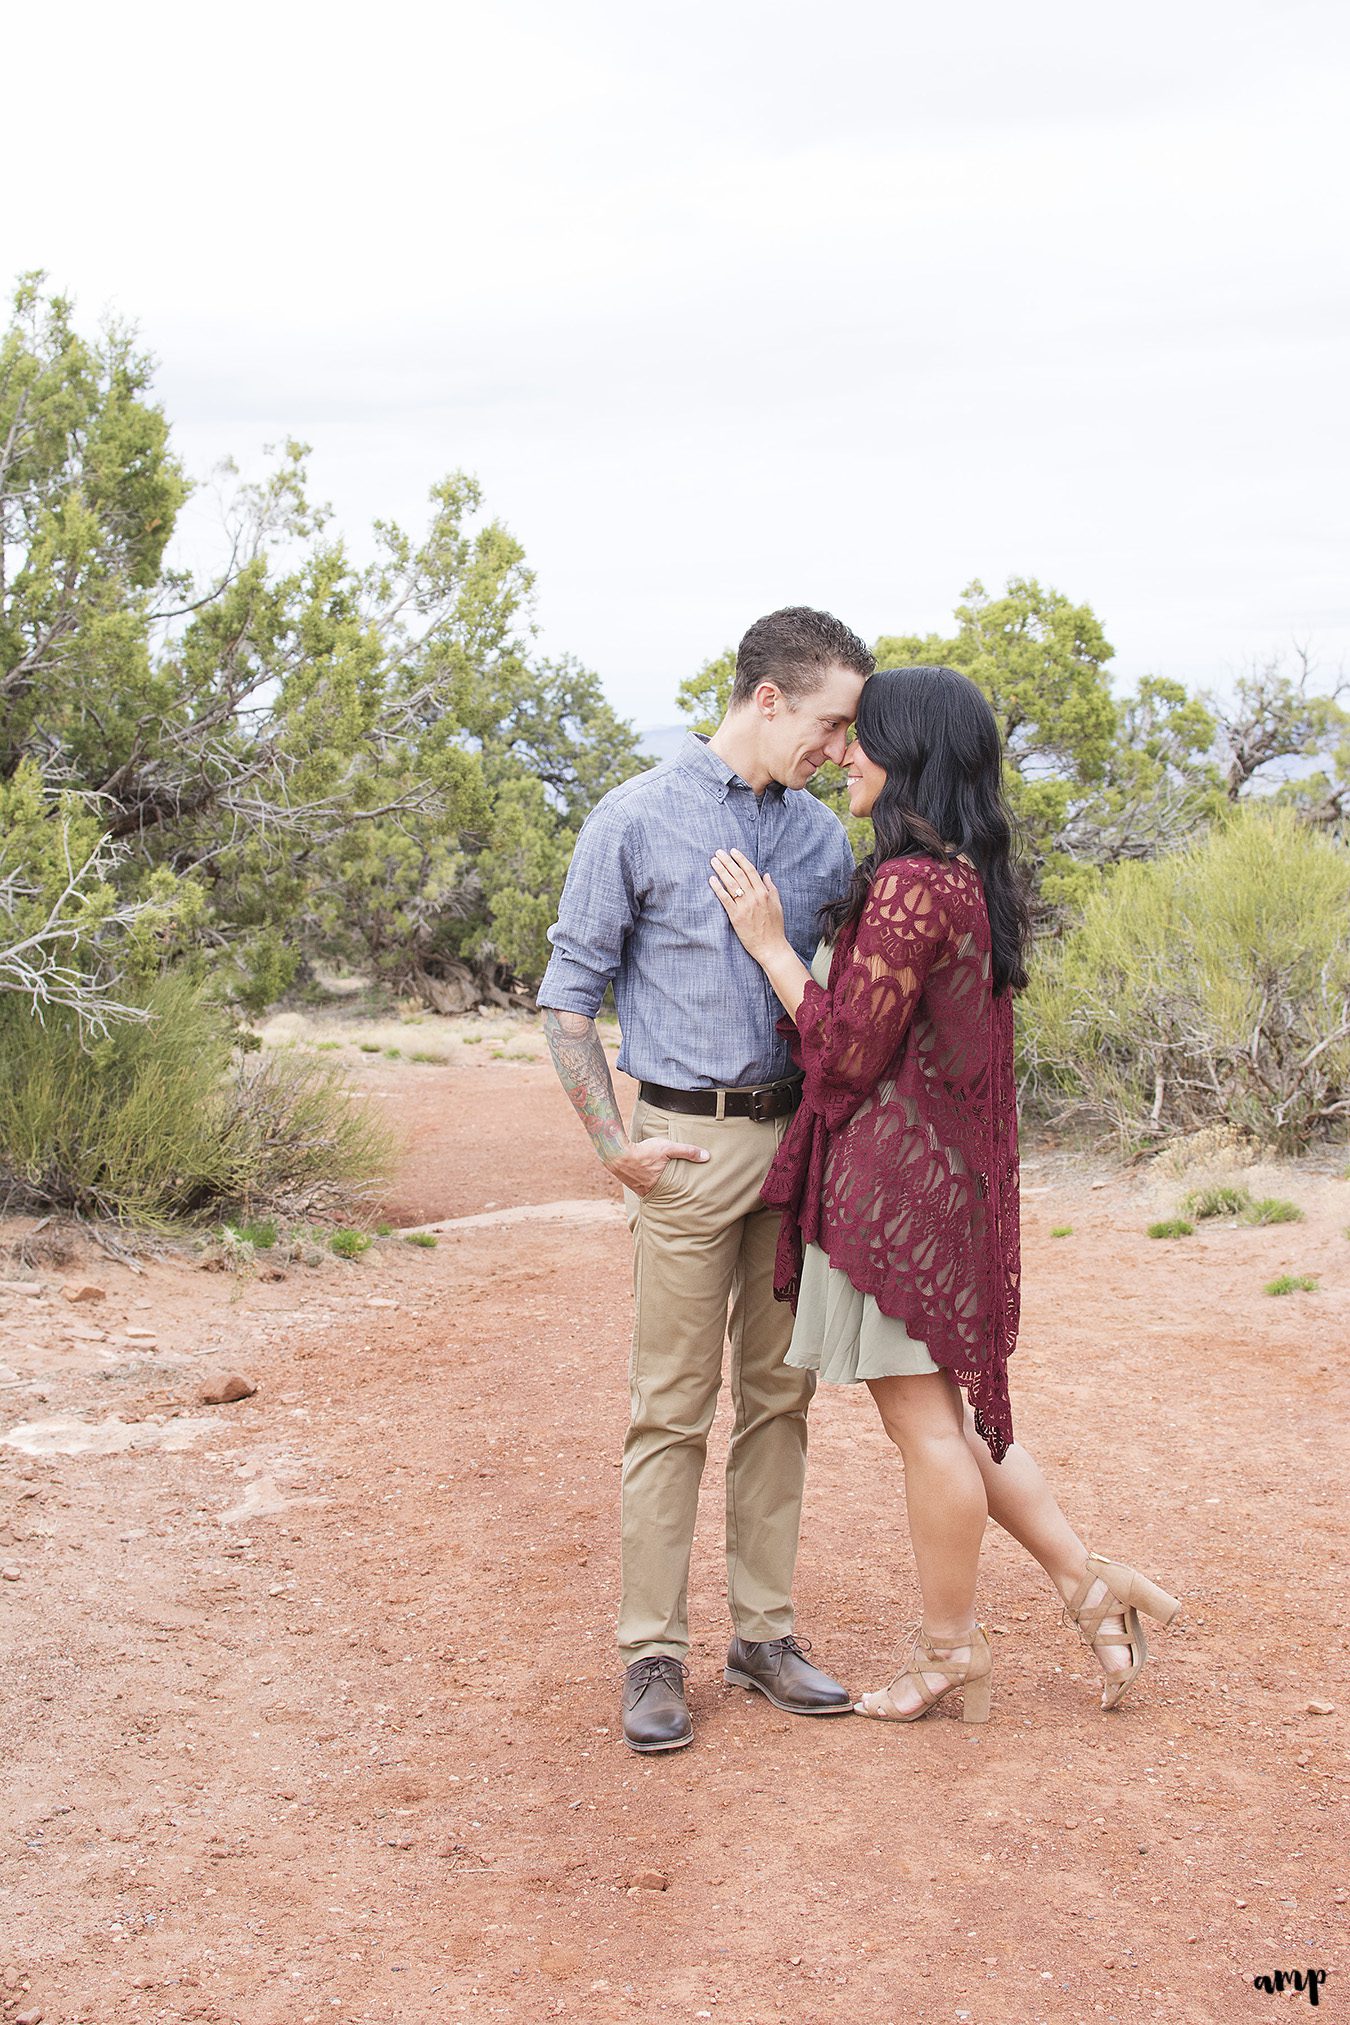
<point>699,758</point>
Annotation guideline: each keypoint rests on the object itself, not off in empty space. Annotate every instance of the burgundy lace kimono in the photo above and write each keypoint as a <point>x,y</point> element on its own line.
<point>901,1163</point>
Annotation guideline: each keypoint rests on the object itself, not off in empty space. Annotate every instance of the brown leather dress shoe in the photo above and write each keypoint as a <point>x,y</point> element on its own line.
<point>779,1668</point>
<point>655,1713</point>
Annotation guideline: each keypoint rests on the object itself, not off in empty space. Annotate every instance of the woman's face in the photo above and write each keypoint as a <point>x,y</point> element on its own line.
<point>865,779</point>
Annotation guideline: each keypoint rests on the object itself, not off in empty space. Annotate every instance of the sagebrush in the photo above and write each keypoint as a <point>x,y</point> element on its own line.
<point>164,1119</point>
<point>1210,987</point>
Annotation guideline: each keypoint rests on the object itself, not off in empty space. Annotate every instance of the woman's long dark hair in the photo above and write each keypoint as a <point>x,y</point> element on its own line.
<point>938,739</point>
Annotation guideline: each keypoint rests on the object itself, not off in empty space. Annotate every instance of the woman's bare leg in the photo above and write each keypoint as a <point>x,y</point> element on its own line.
<point>1022,1502</point>
<point>945,1500</point>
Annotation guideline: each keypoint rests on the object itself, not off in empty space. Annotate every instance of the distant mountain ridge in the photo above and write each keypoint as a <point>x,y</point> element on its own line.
<point>662,741</point>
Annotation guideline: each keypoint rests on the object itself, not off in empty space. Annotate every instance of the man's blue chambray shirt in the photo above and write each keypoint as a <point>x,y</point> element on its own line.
<point>696,1011</point>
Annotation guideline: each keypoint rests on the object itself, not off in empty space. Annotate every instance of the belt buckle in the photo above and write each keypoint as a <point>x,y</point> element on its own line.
<point>758,1113</point>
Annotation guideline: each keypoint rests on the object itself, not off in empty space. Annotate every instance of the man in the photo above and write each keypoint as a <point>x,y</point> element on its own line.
<point>717,1090</point>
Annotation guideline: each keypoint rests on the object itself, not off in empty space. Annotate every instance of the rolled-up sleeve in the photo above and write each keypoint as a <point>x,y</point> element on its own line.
<point>595,916</point>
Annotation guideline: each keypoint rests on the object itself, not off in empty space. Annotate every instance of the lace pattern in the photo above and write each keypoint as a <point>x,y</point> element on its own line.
<point>901,1163</point>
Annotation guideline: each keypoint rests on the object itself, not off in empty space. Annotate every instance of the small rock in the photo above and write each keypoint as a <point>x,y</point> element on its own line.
<point>82,1290</point>
<point>226,1389</point>
<point>29,1287</point>
<point>649,1880</point>
<point>140,1335</point>
<point>379,1301</point>
<point>11,1574</point>
<point>1321,1708</point>
<point>401,1841</point>
<point>33,2017</point>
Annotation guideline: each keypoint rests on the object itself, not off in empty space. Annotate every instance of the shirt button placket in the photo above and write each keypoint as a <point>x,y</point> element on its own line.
<point>763,854</point>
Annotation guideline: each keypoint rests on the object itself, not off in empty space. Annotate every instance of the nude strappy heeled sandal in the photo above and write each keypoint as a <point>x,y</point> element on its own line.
<point>971,1677</point>
<point>1127,1593</point>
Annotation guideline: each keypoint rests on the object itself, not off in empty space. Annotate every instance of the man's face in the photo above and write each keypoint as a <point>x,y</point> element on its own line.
<point>800,738</point>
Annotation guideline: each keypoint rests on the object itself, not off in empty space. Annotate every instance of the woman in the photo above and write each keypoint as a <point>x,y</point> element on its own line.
<point>898,1177</point>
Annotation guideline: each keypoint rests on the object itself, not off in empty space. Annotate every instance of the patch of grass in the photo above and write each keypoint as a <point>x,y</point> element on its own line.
<point>262,1234</point>
<point>438,1060</point>
<point>394,1054</point>
<point>369,1047</point>
<point>1272,1209</point>
<point>473,1040</point>
<point>323,1047</point>
<point>1062,1230</point>
<point>384,1230</point>
<point>425,1238</point>
<point>1219,1199</point>
<point>166,1119</point>
<point>1292,1283</point>
<point>234,1250</point>
<point>349,1244</point>
<point>1172,1227</point>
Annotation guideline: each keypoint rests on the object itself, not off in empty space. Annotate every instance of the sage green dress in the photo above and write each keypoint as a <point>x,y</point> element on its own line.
<point>841,1334</point>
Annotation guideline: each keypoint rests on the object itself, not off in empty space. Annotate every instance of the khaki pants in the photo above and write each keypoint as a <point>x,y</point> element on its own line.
<point>702,1239</point>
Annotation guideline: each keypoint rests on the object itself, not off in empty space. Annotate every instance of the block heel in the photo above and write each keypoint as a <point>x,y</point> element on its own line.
<point>1125,1594</point>
<point>972,1678</point>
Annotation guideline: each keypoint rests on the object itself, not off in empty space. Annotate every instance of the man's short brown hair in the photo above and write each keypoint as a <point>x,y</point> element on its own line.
<point>794,648</point>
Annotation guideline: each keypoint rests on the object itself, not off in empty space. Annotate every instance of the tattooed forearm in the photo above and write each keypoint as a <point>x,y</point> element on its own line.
<point>583,1071</point>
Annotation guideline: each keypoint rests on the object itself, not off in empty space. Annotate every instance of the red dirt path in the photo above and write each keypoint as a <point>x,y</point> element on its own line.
<point>355,1757</point>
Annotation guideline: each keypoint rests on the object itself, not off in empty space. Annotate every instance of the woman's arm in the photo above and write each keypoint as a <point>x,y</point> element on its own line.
<point>850,1034</point>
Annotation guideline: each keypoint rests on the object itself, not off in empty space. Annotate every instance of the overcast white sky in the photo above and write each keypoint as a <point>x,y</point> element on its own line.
<point>737,305</point>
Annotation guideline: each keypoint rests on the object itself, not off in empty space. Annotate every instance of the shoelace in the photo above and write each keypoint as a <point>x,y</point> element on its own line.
<point>648,1670</point>
<point>801,1646</point>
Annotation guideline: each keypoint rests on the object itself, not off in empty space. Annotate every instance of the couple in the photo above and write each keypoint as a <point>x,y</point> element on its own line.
<point>857,1159</point>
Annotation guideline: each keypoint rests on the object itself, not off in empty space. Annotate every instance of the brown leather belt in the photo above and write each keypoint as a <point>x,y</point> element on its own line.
<point>775,1100</point>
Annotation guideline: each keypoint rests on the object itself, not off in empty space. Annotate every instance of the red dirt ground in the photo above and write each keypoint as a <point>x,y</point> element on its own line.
<point>314,1717</point>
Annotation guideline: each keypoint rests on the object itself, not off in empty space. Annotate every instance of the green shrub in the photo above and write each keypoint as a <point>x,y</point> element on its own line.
<point>369,1047</point>
<point>425,1238</point>
<point>1173,1227</point>
<point>1292,1283</point>
<point>165,1120</point>
<point>1272,1209</point>
<point>1202,988</point>
<point>349,1244</point>
<point>384,1230</point>
<point>394,1054</point>
<point>1062,1230</point>
<point>438,1060</point>
<point>1219,1199</point>
<point>261,1234</point>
